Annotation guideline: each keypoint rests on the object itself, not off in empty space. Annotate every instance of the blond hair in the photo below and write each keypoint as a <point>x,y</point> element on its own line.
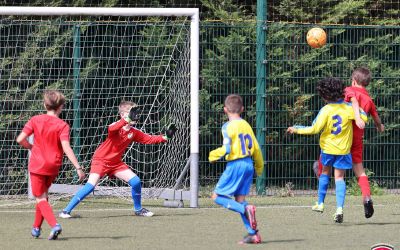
<point>124,106</point>
<point>234,104</point>
<point>53,99</point>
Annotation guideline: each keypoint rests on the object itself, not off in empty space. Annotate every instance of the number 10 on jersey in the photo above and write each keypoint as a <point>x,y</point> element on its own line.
<point>245,139</point>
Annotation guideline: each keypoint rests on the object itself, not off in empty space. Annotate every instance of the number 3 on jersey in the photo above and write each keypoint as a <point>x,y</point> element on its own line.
<point>337,124</point>
<point>243,139</point>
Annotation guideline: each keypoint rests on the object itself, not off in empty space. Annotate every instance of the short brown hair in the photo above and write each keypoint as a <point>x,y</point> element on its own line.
<point>234,104</point>
<point>362,76</point>
<point>53,99</point>
<point>123,104</point>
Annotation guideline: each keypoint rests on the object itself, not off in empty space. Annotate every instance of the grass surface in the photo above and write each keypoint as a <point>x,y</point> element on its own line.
<point>284,223</point>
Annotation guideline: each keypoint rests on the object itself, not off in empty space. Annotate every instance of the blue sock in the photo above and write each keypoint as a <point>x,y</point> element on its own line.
<point>340,192</point>
<point>79,196</point>
<point>246,222</point>
<point>229,204</point>
<point>136,192</point>
<point>322,187</point>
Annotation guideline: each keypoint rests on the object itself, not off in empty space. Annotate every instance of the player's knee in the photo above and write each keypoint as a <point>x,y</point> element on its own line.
<point>362,174</point>
<point>93,178</point>
<point>41,198</point>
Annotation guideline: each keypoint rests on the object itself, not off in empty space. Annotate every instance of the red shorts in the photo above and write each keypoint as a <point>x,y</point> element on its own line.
<point>102,168</point>
<point>357,150</point>
<point>40,184</point>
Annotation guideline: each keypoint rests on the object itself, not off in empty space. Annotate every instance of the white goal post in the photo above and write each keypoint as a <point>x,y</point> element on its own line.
<point>153,101</point>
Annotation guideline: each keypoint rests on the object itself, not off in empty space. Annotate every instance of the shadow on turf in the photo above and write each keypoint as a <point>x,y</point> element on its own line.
<point>349,224</point>
<point>281,241</point>
<point>374,223</point>
<point>93,237</point>
<point>132,215</point>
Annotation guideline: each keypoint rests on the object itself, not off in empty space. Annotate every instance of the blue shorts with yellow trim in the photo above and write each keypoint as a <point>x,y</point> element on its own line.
<point>337,161</point>
<point>237,178</point>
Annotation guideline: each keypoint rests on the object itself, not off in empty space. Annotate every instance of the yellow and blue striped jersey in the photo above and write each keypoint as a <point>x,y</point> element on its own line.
<point>335,119</point>
<point>239,142</point>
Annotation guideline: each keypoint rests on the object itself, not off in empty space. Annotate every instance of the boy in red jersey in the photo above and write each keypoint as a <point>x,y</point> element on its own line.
<point>359,97</point>
<point>107,160</point>
<point>51,140</point>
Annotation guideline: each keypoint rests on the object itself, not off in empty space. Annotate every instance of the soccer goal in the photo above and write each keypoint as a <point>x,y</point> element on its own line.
<point>98,57</point>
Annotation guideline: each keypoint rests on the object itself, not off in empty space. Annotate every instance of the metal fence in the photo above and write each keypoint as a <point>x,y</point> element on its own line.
<point>293,69</point>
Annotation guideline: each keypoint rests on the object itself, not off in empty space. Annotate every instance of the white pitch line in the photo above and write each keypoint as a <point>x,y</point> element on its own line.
<point>178,209</point>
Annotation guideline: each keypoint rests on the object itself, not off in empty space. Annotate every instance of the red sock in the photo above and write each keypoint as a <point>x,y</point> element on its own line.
<point>320,167</point>
<point>47,213</point>
<point>364,185</point>
<point>38,218</point>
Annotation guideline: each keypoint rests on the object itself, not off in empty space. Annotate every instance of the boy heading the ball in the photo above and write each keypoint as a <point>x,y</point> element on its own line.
<point>240,148</point>
<point>335,121</point>
<point>358,95</point>
<point>50,142</point>
<point>107,159</point>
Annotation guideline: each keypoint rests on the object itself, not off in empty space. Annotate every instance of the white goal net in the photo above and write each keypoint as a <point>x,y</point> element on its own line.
<point>97,58</point>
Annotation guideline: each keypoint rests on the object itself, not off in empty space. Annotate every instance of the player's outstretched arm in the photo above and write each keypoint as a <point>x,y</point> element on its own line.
<point>71,156</point>
<point>22,140</point>
<point>317,125</point>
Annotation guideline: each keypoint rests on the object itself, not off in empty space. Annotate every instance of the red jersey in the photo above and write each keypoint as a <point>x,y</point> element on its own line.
<point>365,102</point>
<point>118,139</point>
<point>46,153</point>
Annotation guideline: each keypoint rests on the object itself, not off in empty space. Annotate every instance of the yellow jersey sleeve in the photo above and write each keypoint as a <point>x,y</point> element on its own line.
<point>220,152</point>
<point>258,159</point>
<point>317,125</point>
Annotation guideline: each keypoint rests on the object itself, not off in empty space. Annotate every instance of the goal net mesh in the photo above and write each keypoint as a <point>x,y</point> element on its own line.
<point>97,62</point>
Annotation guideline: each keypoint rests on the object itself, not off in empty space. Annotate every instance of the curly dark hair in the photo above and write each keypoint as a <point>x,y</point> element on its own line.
<point>331,89</point>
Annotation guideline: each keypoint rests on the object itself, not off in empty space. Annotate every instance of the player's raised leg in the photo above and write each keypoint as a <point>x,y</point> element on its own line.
<point>80,195</point>
<point>134,181</point>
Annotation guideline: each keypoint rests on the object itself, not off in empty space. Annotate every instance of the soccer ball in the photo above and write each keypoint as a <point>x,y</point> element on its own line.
<point>316,37</point>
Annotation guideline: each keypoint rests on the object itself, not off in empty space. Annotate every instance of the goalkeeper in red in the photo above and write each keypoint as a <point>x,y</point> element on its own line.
<point>107,159</point>
<point>240,148</point>
<point>50,142</point>
<point>335,121</point>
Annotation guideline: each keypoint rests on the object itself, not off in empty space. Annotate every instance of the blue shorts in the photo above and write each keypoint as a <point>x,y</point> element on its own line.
<point>237,178</point>
<point>337,161</point>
